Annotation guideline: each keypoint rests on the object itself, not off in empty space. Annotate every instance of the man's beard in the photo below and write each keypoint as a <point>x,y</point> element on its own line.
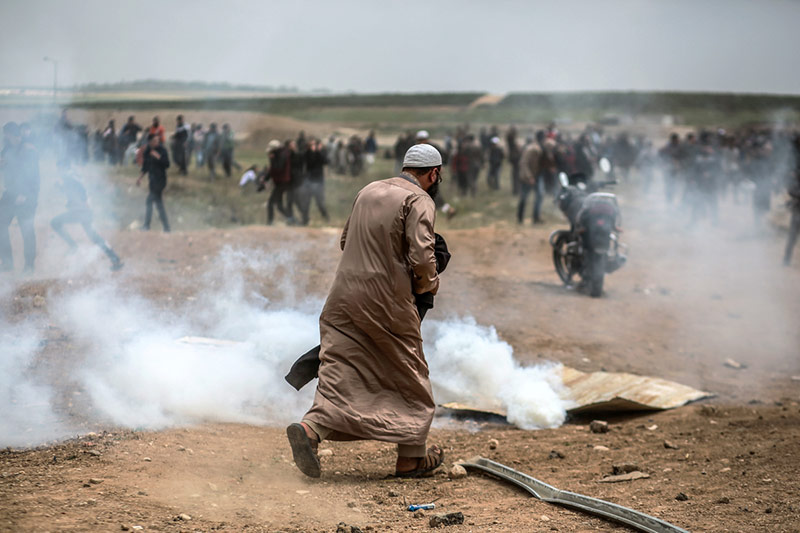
<point>433,190</point>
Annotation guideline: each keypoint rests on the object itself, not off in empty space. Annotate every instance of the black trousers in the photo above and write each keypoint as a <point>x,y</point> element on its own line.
<point>84,218</point>
<point>24,215</point>
<point>155,198</point>
<point>281,192</point>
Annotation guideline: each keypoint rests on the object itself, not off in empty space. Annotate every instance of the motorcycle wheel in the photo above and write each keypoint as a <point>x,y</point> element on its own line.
<point>598,273</point>
<point>560,258</point>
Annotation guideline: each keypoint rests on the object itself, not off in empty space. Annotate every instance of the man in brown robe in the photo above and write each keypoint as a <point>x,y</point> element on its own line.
<point>373,377</point>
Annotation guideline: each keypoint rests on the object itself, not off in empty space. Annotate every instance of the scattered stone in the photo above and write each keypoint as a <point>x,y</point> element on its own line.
<point>599,426</point>
<point>95,481</point>
<point>670,445</point>
<point>302,492</point>
<point>181,449</point>
<point>93,453</point>
<point>351,505</point>
<point>123,527</point>
<point>600,448</point>
<point>39,301</point>
<point>344,528</point>
<point>630,476</point>
<point>768,510</point>
<point>723,501</point>
<point>681,497</point>
<point>544,518</point>
<point>457,472</point>
<point>449,519</point>
<point>212,486</point>
<point>726,469</point>
<point>137,528</point>
<point>624,468</point>
<point>147,459</point>
<point>555,454</point>
<point>393,494</point>
<point>493,444</point>
<point>325,452</point>
<point>795,378</point>
<point>182,517</point>
<point>736,365</point>
<point>652,428</point>
<point>419,514</point>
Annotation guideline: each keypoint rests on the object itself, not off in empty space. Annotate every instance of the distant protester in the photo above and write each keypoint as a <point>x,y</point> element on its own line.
<point>79,212</point>
<point>155,165</point>
<point>19,163</point>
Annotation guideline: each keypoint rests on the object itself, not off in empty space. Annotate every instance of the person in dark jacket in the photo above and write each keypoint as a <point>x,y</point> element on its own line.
<point>280,174</point>
<point>180,140</point>
<point>155,164</point>
<point>79,212</point>
<point>19,162</point>
<point>316,159</point>
<point>496,157</point>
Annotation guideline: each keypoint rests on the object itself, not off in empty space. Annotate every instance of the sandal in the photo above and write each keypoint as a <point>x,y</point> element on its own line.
<point>304,450</point>
<point>432,460</point>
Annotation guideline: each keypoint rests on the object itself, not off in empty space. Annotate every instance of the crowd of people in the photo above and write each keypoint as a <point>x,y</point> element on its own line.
<point>696,170</point>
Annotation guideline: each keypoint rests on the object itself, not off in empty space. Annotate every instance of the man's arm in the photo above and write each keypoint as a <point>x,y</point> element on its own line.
<point>421,244</point>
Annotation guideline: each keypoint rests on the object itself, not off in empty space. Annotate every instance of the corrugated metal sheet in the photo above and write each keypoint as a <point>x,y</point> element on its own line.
<point>596,392</point>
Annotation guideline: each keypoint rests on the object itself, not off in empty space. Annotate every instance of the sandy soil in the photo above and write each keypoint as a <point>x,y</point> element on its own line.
<point>686,301</point>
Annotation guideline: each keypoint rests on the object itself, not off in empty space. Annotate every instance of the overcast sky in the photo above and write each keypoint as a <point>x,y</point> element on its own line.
<point>409,45</point>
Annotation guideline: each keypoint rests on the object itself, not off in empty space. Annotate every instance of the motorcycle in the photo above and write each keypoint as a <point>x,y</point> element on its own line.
<point>590,249</point>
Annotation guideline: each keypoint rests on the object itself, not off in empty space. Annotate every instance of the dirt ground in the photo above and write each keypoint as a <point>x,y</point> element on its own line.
<point>686,301</point>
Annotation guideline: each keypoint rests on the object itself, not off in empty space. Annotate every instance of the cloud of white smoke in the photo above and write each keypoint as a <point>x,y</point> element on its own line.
<point>137,373</point>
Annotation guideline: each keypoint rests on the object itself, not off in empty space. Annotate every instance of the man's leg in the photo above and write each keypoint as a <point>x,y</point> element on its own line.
<point>273,200</point>
<point>525,190</point>
<point>318,192</point>
<point>538,197</point>
<point>58,226</point>
<point>162,213</point>
<point>148,211</point>
<point>794,230</point>
<point>28,231</point>
<point>7,214</point>
<point>86,222</point>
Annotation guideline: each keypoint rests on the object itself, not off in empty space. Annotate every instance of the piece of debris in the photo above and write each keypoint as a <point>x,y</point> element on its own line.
<point>600,448</point>
<point>723,501</point>
<point>795,378</point>
<point>422,507</point>
<point>182,517</point>
<point>449,519</point>
<point>147,459</point>
<point>544,518</point>
<point>325,452</point>
<point>652,428</point>
<point>344,528</point>
<point>123,527</point>
<point>681,497</point>
<point>624,468</point>
<point>457,472</point>
<point>736,365</point>
<point>555,454</point>
<point>93,453</point>
<point>302,492</point>
<point>493,444</point>
<point>630,476</point>
<point>95,481</point>
<point>670,445</point>
<point>599,426</point>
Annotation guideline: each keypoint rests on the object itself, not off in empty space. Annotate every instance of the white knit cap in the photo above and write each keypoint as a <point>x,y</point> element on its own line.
<point>423,134</point>
<point>422,156</point>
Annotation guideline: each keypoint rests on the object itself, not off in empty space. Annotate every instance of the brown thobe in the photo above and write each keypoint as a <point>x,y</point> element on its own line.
<point>373,377</point>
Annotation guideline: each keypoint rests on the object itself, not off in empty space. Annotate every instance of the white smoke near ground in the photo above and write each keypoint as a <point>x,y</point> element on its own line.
<point>470,364</point>
<point>221,356</point>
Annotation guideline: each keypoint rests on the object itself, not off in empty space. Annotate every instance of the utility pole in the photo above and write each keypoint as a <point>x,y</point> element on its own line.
<point>55,77</point>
